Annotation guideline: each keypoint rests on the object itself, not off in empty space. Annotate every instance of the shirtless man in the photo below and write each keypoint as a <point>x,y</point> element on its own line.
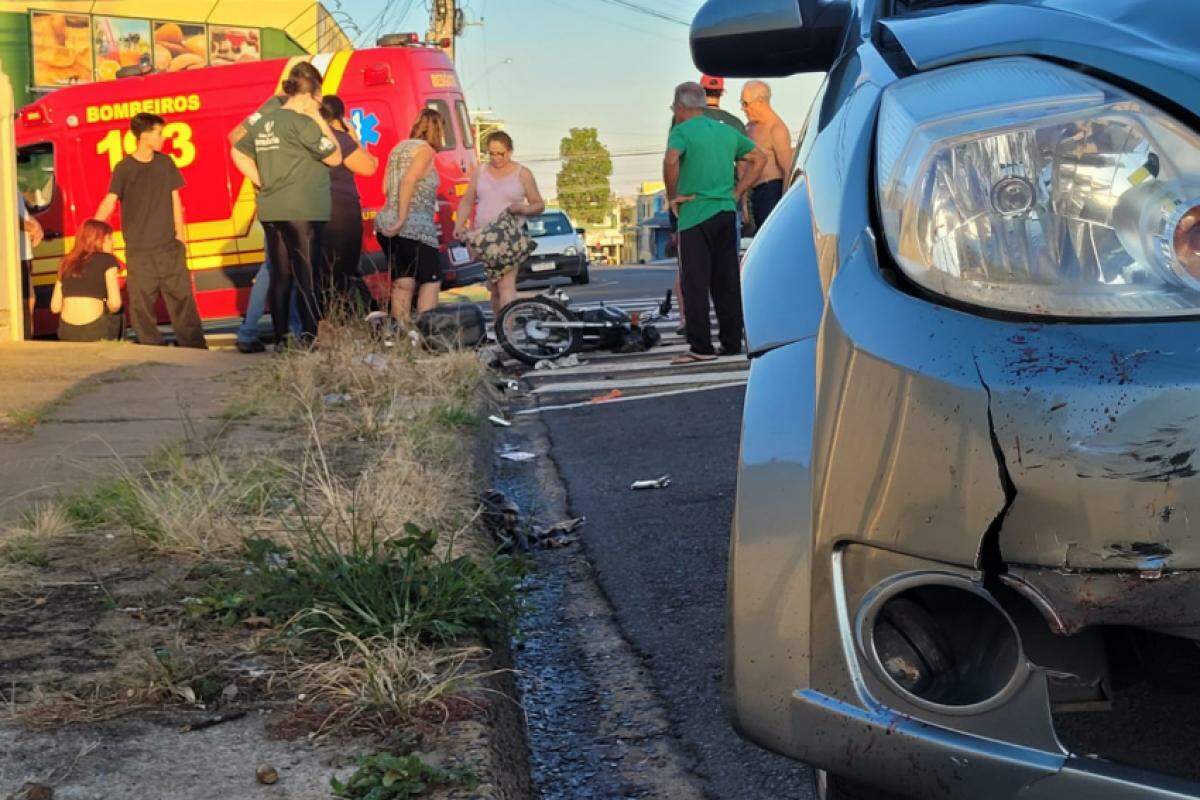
<point>772,137</point>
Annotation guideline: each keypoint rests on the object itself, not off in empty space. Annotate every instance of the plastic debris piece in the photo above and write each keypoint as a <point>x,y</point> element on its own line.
<point>604,398</point>
<point>558,535</point>
<point>518,455</point>
<point>566,526</point>
<point>659,483</point>
<point>375,361</point>
<point>499,422</point>
<point>336,399</point>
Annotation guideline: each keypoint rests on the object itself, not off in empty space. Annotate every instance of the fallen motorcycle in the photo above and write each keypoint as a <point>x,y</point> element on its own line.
<point>546,328</point>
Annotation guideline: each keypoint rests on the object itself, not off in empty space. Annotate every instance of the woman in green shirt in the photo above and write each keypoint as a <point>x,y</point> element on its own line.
<point>286,153</point>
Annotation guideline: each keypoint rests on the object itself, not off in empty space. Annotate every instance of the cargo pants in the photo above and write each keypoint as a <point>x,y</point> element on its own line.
<point>162,271</point>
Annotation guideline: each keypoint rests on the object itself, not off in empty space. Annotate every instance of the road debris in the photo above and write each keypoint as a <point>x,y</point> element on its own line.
<point>561,363</point>
<point>604,398</point>
<point>375,362</point>
<point>267,775</point>
<point>659,483</point>
<point>33,791</point>
<point>216,719</point>
<point>499,422</point>
<point>558,535</point>
<point>511,453</point>
<point>502,517</point>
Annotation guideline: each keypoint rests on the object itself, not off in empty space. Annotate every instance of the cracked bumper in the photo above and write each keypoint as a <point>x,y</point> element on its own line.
<point>928,761</point>
<point>1063,455</point>
<point>1078,444</point>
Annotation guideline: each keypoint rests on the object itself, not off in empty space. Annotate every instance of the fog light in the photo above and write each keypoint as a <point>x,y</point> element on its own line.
<point>943,646</point>
<point>1187,241</point>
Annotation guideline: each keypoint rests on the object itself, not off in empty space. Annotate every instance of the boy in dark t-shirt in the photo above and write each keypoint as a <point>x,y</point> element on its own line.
<point>146,183</point>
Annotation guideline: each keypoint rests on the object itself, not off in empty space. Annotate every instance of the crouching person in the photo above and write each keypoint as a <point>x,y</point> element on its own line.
<point>147,184</point>
<point>87,297</point>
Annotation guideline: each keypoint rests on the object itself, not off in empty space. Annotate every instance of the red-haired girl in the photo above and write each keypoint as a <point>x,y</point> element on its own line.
<point>87,297</point>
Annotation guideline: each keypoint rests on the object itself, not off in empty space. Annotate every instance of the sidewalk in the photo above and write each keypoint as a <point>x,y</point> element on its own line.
<point>73,410</point>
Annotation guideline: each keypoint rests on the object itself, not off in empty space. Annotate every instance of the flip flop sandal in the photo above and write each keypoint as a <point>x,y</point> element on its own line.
<point>692,358</point>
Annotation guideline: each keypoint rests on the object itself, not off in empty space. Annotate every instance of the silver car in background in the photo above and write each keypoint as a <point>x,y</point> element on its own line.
<point>963,562</point>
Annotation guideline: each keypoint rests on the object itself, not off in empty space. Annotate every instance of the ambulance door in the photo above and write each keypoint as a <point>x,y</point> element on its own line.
<point>42,178</point>
<point>379,131</point>
<point>452,164</point>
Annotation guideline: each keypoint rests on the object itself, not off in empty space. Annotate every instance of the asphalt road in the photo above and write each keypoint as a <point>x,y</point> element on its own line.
<point>660,556</point>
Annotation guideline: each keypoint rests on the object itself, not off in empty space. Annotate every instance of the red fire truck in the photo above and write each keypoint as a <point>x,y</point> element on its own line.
<point>69,141</point>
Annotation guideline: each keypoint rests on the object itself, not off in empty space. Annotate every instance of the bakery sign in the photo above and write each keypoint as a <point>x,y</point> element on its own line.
<point>71,48</point>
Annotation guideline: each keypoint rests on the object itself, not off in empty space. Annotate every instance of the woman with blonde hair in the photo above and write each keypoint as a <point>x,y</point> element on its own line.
<point>405,226</point>
<point>499,189</point>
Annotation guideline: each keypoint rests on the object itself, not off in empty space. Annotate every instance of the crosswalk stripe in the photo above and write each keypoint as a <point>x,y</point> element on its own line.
<point>644,365</point>
<point>640,383</point>
<point>630,399</point>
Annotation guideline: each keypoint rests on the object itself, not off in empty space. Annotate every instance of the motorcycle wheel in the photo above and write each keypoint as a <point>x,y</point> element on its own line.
<point>519,331</point>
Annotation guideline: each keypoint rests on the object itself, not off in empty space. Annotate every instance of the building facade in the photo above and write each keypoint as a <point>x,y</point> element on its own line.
<point>47,44</point>
<point>612,241</point>
<point>653,222</point>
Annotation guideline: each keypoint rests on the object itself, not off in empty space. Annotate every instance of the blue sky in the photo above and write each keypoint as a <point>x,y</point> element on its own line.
<point>577,63</point>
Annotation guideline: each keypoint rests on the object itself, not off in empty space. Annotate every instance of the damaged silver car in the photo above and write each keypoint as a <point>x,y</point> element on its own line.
<point>962,562</point>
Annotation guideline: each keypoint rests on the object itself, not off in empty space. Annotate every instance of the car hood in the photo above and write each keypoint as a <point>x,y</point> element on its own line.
<point>1143,41</point>
<point>555,245</point>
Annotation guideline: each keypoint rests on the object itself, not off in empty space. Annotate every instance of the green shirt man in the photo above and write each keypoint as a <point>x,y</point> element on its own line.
<point>707,172</point>
<point>288,148</point>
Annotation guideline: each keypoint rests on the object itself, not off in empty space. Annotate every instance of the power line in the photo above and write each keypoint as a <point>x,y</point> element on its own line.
<point>650,12</point>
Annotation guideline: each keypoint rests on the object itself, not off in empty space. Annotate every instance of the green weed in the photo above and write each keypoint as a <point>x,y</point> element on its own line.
<point>455,416</point>
<point>109,503</point>
<point>384,776</point>
<point>372,586</point>
<point>26,550</point>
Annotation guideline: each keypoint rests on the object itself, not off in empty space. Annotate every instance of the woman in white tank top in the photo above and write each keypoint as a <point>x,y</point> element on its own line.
<point>499,185</point>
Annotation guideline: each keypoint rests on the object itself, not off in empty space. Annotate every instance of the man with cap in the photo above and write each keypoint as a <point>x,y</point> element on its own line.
<point>703,188</point>
<point>714,88</point>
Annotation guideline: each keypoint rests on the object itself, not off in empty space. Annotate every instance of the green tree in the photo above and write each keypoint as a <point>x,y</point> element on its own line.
<point>583,185</point>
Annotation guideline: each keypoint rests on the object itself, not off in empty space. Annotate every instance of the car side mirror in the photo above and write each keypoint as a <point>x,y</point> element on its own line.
<point>768,38</point>
<point>581,231</point>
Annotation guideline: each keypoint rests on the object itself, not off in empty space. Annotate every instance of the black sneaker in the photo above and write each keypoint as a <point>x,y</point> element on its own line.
<point>251,347</point>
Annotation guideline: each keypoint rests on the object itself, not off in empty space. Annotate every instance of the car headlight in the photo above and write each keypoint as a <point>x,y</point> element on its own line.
<point>1020,185</point>
<point>571,250</point>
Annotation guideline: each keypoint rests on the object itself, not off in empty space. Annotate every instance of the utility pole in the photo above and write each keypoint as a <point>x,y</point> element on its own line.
<point>446,21</point>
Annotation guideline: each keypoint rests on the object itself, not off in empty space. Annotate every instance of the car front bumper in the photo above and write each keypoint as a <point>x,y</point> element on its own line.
<point>908,439</point>
<point>553,266</point>
<point>462,274</point>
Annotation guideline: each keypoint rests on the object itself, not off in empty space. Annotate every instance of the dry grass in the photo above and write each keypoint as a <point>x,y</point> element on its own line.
<point>44,521</point>
<point>23,545</point>
<point>368,436</point>
<point>368,685</point>
<point>205,505</point>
